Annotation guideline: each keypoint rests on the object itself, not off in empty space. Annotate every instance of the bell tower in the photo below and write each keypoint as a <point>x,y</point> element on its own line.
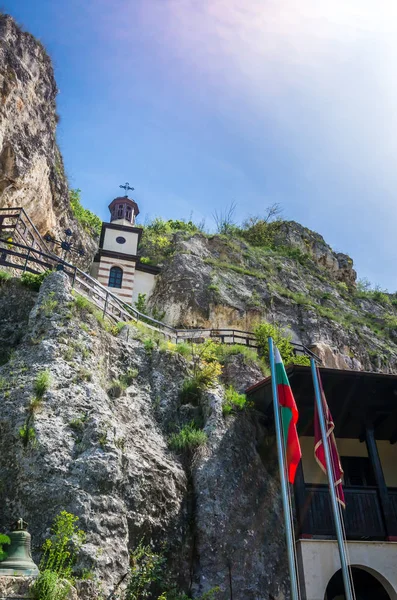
<point>123,211</point>
<point>115,262</point>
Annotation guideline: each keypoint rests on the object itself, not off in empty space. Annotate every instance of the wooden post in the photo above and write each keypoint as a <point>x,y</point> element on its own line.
<point>389,518</point>
<point>106,304</point>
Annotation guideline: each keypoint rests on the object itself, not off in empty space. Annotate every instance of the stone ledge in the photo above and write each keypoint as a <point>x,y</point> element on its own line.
<point>15,588</point>
<point>18,588</point>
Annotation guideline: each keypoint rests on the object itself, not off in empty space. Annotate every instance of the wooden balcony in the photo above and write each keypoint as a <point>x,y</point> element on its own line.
<point>363,517</point>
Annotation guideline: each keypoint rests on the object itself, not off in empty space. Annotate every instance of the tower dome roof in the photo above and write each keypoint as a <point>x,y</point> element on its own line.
<point>125,200</point>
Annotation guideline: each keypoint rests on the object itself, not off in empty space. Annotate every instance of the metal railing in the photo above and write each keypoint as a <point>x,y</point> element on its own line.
<point>15,223</point>
<point>31,259</point>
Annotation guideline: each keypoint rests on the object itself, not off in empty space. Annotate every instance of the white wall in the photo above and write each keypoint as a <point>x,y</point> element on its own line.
<point>349,447</point>
<point>320,561</point>
<point>131,243</point>
<point>388,458</point>
<point>143,284</point>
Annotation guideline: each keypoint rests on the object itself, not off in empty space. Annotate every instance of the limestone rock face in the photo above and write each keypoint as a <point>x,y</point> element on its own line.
<point>31,167</point>
<point>216,282</point>
<point>101,452</point>
<point>294,235</point>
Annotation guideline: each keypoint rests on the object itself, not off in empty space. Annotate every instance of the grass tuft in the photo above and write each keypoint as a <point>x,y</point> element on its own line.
<point>233,401</point>
<point>188,438</point>
<point>42,383</point>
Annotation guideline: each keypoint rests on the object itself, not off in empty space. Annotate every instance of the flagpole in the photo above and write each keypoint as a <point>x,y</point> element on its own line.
<point>284,491</point>
<point>334,502</point>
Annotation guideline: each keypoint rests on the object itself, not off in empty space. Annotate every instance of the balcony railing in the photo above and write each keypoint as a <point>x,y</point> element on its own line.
<point>362,517</point>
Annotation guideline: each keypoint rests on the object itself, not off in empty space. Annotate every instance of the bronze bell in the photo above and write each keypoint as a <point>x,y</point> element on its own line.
<point>19,561</point>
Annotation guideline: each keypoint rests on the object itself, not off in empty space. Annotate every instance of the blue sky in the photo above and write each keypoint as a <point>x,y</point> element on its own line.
<point>198,103</point>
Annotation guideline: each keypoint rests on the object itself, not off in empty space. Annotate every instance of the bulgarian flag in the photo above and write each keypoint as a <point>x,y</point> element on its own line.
<point>289,417</point>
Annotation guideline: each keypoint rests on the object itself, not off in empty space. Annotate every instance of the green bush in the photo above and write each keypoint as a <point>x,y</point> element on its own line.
<point>233,401</point>
<point>381,297</point>
<point>83,304</point>
<point>90,221</point>
<point>149,345</point>
<point>184,349</point>
<point>295,254</point>
<point>149,575</point>
<point>49,586</point>
<point>156,240</point>
<point>42,383</point>
<point>189,437</point>
<point>259,232</point>
<point>225,350</point>
<point>117,328</point>
<point>49,304</point>
<point>280,339</point>
<point>59,556</point>
<point>4,539</point>
<point>147,569</point>
<point>78,424</point>
<point>33,281</point>
<point>119,385</point>
<point>190,392</point>
<point>27,434</point>
<point>140,304</point>
<point>4,275</point>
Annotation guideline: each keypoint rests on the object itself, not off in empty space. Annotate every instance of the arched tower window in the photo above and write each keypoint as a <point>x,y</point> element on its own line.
<point>115,277</point>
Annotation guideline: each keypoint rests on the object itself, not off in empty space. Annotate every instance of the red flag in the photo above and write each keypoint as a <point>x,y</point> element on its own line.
<point>319,453</point>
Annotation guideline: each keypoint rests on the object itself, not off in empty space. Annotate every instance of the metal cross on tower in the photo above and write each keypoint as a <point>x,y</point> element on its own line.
<point>126,187</point>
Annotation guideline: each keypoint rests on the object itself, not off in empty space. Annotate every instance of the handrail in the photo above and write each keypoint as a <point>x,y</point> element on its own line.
<point>21,211</point>
<point>110,303</point>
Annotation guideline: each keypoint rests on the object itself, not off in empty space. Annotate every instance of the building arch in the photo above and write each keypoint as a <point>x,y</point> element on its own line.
<point>115,277</point>
<point>368,585</point>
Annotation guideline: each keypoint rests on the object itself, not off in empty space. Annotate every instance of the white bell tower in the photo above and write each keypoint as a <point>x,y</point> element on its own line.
<point>114,264</point>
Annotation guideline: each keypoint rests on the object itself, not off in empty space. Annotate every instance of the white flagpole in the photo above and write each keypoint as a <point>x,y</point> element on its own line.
<point>284,491</point>
<point>334,502</point>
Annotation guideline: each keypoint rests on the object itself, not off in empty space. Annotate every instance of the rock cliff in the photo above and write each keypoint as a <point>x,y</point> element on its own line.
<point>31,167</point>
<point>299,282</point>
<point>100,450</point>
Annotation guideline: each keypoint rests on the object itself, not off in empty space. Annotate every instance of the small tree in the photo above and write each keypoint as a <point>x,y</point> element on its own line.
<point>140,304</point>
<point>224,220</point>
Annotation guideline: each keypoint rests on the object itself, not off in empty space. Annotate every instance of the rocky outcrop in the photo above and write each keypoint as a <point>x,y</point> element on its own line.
<point>296,236</point>
<point>302,285</point>
<point>101,451</point>
<point>31,167</point>
<point>16,303</point>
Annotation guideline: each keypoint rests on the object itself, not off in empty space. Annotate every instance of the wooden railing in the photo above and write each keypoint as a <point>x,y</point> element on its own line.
<point>393,500</point>
<point>32,258</point>
<point>362,516</point>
